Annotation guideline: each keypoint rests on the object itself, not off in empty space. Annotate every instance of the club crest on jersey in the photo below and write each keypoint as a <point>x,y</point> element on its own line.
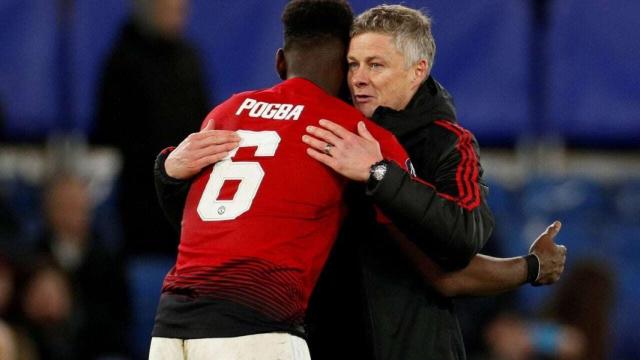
<point>264,110</point>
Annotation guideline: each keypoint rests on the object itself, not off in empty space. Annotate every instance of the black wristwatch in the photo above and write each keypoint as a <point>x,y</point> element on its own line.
<point>378,171</point>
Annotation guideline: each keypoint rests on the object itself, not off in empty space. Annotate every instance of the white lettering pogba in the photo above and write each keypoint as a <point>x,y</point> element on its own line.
<point>259,109</point>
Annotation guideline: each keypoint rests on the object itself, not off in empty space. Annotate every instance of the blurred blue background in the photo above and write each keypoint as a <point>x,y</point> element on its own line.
<point>535,81</point>
<point>570,71</point>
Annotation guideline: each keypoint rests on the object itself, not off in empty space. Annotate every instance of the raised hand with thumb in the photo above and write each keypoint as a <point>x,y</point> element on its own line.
<point>551,256</point>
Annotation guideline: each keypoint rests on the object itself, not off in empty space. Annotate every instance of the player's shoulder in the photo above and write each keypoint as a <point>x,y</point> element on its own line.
<point>236,99</point>
<point>342,108</point>
<point>239,97</point>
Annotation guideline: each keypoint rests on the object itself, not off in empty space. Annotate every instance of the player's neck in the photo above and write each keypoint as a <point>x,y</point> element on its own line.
<point>322,65</point>
<point>330,87</point>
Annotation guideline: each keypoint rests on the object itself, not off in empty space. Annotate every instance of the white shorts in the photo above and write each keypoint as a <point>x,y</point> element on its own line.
<point>269,346</point>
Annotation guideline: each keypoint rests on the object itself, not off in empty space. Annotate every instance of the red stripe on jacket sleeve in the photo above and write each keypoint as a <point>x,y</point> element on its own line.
<point>468,169</point>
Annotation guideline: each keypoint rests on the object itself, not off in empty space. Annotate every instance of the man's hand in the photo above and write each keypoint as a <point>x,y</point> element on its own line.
<point>551,256</point>
<point>348,154</point>
<point>199,150</point>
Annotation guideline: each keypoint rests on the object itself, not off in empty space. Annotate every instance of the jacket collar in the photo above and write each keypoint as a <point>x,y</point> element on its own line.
<point>431,102</point>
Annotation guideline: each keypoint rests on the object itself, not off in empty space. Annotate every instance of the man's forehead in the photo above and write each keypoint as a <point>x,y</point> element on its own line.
<point>372,44</point>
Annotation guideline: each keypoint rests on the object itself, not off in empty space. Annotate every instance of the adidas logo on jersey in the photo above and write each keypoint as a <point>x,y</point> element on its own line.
<point>259,109</point>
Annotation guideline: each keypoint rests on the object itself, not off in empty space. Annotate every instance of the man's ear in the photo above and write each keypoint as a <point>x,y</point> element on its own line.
<point>281,64</point>
<point>421,71</point>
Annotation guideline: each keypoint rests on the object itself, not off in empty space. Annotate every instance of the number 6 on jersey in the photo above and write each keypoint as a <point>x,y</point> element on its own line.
<point>249,173</point>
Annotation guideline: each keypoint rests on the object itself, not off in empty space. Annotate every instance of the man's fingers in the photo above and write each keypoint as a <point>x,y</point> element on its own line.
<point>210,137</point>
<point>364,132</point>
<point>316,144</point>
<point>323,158</point>
<point>554,228</point>
<point>214,149</point>
<point>563,249</point>
<point>211,159</point>
<point>559,274</point>
<point>548,236</point>
<point>335,128</point>
<point>211,124</point>
<point>217,134</point>
<point>324,135</point>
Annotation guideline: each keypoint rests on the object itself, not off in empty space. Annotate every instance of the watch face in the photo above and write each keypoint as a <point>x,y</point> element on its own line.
<point>379,171</point>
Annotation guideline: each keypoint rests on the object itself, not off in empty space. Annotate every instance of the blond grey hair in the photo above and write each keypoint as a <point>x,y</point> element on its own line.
<point>409,28</point>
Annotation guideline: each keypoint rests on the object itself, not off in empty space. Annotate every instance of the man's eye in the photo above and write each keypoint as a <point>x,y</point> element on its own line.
<point>374,66</point>
<point>352,65</point>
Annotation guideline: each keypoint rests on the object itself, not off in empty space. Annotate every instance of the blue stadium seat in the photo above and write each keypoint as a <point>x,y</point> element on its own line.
<point>483,56</point>
<point>627,202</point>
<point>564,198</point>
<point>29,76</point>
<point>624,242</point>
<point>24,200</point>
<point>531,300</point>
<point>145,276</point>
<point>94,28</point>
<point>502,200</point>
<point>511,232</point>
<point>626,338</point>
<point>107,222</point>
<point>594,93</point>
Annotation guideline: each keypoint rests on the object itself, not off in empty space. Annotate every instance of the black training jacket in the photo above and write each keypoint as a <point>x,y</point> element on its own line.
<point>369,297</point>
<point>446,214</point>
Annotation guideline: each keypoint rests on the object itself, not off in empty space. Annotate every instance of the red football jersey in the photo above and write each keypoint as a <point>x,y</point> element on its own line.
<point>258,226</point>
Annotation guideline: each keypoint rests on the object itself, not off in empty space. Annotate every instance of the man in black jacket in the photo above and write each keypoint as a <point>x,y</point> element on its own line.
<point>447,219</point>
<point>445,216</point>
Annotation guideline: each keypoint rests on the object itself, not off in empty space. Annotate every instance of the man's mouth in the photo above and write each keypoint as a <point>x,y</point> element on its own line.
<point>362,99</point>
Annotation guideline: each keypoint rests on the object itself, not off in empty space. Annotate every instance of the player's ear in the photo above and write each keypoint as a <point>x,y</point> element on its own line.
<point>281,64</point>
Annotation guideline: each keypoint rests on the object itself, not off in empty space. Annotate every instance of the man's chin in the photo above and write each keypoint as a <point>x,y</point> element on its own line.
<point>366,110</point>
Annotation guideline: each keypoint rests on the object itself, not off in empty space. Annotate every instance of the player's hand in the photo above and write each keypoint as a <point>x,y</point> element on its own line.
<point>551,256</point>
<point>199,150</point>
<point>351,155</point>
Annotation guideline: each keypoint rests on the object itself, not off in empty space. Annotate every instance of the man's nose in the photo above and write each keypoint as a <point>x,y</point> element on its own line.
<point>359,77</point>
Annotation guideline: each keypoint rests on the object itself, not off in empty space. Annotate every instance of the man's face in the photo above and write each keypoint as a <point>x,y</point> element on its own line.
<point>377,74</point>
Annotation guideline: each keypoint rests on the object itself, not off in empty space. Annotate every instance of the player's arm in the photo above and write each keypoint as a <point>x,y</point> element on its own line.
<point>486,275</point>
<point>199,150</point>
<point>175,167</point>
<point>171,193</point>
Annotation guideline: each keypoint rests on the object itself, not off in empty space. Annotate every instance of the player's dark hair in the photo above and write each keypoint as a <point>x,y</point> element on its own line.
<point>308,22</point>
